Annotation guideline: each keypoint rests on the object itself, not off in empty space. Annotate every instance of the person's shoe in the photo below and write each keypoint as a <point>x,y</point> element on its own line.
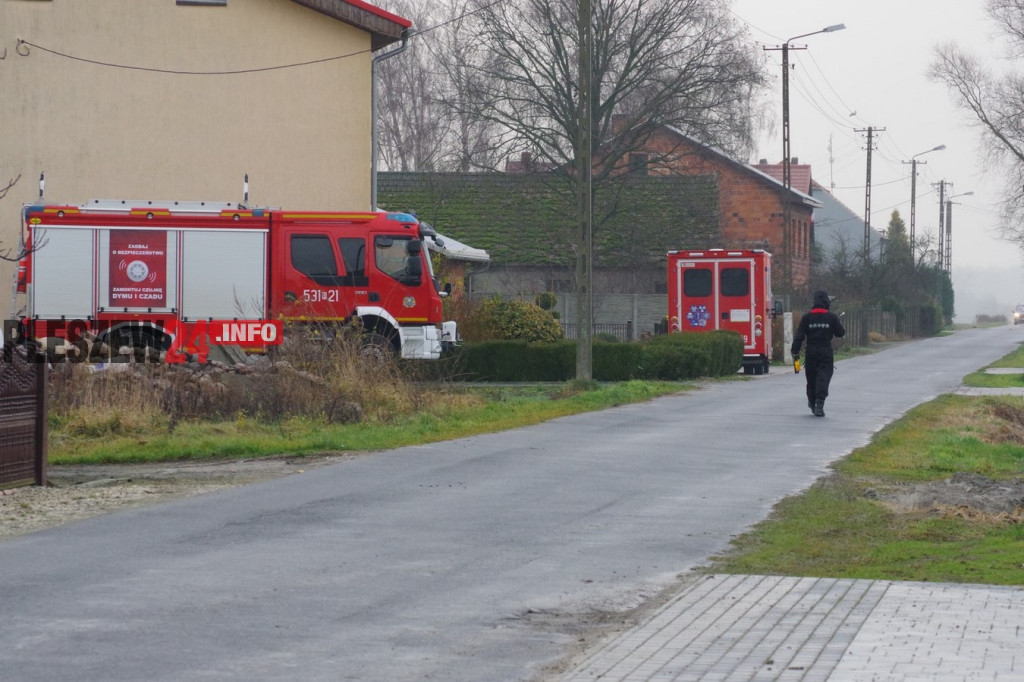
<point>819,408</point>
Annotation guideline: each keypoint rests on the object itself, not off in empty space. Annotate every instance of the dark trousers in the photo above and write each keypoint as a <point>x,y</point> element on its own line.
<point>819,374</point>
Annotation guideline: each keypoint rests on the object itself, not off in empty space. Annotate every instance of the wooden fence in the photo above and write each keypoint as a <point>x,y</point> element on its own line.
<point>860,323</point>
<point>23,403</point>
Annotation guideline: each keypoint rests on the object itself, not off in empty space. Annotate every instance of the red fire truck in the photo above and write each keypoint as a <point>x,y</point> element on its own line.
<point>148,272</point>
<point>725,289</point>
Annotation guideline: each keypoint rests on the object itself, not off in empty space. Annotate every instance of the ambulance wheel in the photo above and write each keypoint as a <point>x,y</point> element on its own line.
<point>765,366</point>
<point>748,369</point>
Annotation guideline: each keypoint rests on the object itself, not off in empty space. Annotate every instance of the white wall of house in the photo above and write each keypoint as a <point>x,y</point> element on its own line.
<point>99,131</point>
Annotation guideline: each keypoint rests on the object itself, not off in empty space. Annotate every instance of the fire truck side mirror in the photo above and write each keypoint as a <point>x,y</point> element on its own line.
<point>776,308</point>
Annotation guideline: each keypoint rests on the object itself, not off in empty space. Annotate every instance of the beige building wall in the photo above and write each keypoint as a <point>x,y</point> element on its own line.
<point>100,130</point>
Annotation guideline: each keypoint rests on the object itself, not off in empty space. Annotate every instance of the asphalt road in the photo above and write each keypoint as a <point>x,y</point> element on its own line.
<point>472,559</point>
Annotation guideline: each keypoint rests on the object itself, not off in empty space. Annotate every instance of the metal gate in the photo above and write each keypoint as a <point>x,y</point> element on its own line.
<point>23,379</point>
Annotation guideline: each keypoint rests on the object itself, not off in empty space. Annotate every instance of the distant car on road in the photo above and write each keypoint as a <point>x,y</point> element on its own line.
<point>1018,314</point>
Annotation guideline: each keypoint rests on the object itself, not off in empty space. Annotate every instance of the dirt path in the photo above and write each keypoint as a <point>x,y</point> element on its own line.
<point>79,492</point>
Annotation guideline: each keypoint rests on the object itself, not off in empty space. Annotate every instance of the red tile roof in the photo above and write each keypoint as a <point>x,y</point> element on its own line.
<point>799,174</point>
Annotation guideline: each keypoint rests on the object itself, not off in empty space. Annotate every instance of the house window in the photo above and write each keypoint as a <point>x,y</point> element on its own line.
<point>638,164</point>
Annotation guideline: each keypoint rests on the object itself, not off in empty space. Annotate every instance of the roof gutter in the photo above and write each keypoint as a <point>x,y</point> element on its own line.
<point>373,106</point>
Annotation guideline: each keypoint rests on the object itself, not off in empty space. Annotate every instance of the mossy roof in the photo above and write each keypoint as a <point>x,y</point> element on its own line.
<point>529,219</point>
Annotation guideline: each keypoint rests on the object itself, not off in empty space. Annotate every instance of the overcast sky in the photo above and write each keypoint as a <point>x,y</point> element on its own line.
<point>877,67</point>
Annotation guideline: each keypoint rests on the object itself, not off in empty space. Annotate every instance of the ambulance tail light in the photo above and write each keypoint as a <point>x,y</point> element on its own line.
<point>758,326</point>
<point>673,324</point>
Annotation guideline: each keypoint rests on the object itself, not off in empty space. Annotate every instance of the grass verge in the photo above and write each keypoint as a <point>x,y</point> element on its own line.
<point>450,412</point>
<point>848,525</point>
<point>1013,360</point>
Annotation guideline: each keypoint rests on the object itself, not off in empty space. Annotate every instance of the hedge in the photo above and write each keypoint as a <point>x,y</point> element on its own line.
<point>671,357</point>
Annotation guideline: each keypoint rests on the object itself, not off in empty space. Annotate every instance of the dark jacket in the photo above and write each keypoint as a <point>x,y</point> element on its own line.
<point>818,327</point>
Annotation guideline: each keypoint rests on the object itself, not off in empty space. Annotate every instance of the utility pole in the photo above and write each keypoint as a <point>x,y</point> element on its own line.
<point>787,177</point>
<point>787,172</point>
<point>867,194</point>
<point>949,238</point>
<point>942,214</point>
<point>913,189</point>
<point>584,170</point>
<point>831,167</point>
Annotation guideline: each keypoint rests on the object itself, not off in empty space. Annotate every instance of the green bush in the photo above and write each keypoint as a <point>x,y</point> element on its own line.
<point>517,360</point>
<point>671,357</point>
<point>545,300</point>
<point>614,361</point>
<point>510,319</point>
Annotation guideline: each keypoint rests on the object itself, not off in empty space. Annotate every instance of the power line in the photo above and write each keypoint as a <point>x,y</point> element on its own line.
<point>180,72</point>
<point>233,72</point>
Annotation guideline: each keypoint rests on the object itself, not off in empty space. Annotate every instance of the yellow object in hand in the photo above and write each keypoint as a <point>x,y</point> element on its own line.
<point>796,365</point>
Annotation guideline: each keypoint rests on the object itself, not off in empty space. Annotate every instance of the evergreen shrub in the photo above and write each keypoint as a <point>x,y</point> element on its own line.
<point>671,357</point>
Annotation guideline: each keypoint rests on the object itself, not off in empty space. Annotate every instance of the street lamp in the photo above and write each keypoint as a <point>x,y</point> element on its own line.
<point>913,187</point>
<point>948,260</point>
<point>787,179</point>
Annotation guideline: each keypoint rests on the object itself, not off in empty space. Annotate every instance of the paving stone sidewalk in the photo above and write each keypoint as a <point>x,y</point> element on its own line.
<point>749,627</point>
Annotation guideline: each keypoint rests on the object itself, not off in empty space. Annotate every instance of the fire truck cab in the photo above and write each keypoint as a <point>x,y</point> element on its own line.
<point>725,289</point>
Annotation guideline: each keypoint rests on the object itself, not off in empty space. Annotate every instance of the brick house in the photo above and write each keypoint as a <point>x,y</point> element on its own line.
<point>751,200</point>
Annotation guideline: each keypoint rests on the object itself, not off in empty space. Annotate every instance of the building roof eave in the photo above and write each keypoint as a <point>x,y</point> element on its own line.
<point>384,27</point>
<point>804,199</point>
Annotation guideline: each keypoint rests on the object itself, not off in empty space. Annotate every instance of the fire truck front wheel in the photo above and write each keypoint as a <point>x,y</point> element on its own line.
<point>374,346</point>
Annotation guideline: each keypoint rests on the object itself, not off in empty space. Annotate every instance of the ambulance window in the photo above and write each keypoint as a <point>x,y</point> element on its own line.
<point>735,282</point>
<point>312,256</point>
<point>353,252</point>
<point>696,283</point>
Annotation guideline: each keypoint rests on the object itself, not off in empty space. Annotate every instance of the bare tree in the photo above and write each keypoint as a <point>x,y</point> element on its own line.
<point>473,143</point>
<point>684,63</point>
<point>423,115</point>
<point>995,102</point>
<point>8,254</point>
<point>411,122</point>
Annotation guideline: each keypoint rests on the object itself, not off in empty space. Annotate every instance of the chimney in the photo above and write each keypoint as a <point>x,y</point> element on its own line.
<point>619,123</point>
<point>527,160</point>
<point>762,162</point>
<point>795,160</point>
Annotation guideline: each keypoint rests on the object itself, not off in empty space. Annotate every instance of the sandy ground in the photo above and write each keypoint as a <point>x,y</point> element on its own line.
<point>79,492</point>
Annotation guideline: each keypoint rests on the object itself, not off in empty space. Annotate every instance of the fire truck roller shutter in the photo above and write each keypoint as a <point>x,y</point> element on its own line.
<point>62,273</point>
<point>223,274</point>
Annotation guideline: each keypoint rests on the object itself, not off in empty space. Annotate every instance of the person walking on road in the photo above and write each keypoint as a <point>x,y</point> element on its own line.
<point>818,327</point>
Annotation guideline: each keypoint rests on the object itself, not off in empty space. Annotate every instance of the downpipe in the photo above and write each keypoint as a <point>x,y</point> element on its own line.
<point>373,112</point>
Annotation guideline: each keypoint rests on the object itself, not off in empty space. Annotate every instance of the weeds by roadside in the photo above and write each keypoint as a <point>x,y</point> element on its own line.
<point>313,396</point>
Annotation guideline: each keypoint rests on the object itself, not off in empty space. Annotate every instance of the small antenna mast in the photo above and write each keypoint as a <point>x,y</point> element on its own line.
<point>831,168</point>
